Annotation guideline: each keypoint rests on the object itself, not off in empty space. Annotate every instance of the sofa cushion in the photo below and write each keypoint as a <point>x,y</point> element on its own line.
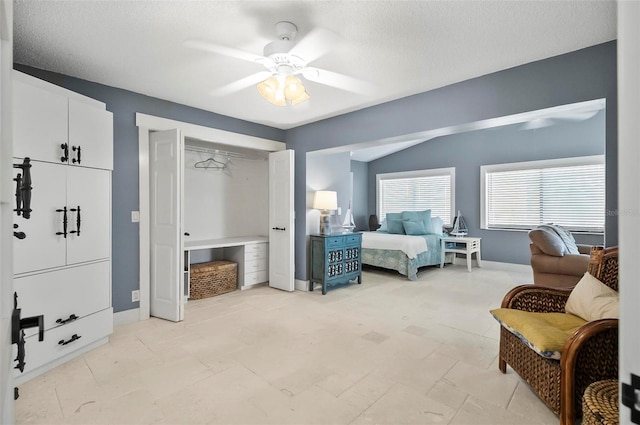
<point>548,241</point>
<point>593,300</point>
<point>545,333</point>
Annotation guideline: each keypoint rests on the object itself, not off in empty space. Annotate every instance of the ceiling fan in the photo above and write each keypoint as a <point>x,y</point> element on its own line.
<point>285,60</point>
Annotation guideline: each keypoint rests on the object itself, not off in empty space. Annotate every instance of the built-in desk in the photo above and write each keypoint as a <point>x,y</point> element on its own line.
<point>250,252</point>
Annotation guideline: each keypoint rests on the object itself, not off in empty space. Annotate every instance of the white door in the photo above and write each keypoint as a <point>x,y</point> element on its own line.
<point>281,224</point>
<point>89,211</point>
<point>629,206</point>
<point>165,189</point>
<point>44,245</point>
<point>6,214</point>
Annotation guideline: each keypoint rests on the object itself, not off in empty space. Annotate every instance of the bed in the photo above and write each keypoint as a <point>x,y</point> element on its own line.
<point>403,253</point>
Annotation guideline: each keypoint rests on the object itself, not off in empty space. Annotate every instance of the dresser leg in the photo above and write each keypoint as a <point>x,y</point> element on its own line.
<point>324,288</point>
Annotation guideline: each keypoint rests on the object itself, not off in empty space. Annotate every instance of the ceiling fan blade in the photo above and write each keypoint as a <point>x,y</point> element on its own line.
<point>341,81</point>
<point>315,44</point>
<point>240,84</point>
<point>223,50</point>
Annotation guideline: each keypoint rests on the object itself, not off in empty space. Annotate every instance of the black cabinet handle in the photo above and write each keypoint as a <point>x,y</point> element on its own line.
<point>78,220</point>
<point>279,228</point>
<point>187,234</point>
<point>19,235</point>
<point>64,222</point>
<point>76,160</point>
<point>70,319</point>
<point>18,325</point>
<point>23,188</point>
<point>65,152</point>
<point>74,337</point>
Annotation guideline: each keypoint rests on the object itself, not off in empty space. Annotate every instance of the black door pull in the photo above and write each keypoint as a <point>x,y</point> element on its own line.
<point>65,152</point>
<point>19,235</point>
<point>78,221</point>
<point>64,222</point>
<point>74,337</point>
<point>629,397</point>
<point>23,189</point>
<point>18,325</point>
<point>279,228</point>
<point>76,160</point>
<point>70,319</point>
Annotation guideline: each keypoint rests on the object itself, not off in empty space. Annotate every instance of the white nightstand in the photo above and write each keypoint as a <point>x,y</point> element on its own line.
<point>461,245</point>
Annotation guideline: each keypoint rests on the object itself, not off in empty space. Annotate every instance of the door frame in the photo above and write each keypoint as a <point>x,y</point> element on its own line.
<point>148,123</point>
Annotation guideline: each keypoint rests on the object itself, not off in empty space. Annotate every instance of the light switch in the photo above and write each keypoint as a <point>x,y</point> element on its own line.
<point>135,216</point>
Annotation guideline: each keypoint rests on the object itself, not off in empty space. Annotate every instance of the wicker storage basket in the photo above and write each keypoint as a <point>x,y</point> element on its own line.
<point>213,278</point>
<point>600,403</point>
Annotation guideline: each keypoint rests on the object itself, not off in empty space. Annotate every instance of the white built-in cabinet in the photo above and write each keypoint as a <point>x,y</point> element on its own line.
<point>62,268</point>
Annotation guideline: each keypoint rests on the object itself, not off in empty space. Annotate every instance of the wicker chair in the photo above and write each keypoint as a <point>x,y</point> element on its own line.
<point>589,355</point>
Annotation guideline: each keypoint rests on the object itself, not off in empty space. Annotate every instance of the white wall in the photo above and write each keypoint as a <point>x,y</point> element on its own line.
<point>225,203</point>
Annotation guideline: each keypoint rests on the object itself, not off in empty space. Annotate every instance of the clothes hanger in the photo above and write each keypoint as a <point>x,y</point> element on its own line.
<point>209,163</point>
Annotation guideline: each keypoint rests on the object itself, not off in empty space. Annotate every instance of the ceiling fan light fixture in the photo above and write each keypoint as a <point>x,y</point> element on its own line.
<point>270,90</point>
<point>280,90</point>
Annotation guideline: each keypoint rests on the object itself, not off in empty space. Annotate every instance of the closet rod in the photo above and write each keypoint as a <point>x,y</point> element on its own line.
<point>212,151</point>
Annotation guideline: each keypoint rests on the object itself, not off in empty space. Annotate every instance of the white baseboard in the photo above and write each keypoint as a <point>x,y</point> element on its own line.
<point>302,285</point>
<point>125,317</point>
<point>497,265</point>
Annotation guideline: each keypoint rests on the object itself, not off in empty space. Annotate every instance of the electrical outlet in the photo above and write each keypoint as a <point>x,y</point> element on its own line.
<point>135,216</point>
<point>135,296</point>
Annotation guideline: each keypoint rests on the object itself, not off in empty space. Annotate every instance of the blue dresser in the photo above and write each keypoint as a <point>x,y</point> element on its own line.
<point>336,259</point>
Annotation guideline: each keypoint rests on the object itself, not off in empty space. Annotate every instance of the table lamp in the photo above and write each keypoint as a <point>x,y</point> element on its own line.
<point>325,200</point>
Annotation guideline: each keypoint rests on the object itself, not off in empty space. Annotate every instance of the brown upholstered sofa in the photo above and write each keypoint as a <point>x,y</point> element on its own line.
<point>551,261</point>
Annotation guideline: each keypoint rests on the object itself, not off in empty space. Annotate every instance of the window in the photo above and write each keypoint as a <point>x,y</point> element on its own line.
<point>417,190</point>
<point>568,192</point>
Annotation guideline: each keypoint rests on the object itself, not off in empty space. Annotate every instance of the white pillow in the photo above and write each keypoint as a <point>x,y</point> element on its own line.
<point>592,300</point>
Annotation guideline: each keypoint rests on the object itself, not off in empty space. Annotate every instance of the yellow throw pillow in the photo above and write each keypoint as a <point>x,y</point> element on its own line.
<point>545,333</point>
<point>593,300</point>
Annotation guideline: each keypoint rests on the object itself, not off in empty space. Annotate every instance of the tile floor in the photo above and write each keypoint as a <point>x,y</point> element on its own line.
<point>389,351</point>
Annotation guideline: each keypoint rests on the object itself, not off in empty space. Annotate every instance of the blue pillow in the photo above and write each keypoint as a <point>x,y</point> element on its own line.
<point>414,228</point>
<point>395,226</point>
<point>423,216</point>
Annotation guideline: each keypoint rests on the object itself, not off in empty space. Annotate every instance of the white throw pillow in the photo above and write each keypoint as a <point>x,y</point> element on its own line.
<point>592,300</point>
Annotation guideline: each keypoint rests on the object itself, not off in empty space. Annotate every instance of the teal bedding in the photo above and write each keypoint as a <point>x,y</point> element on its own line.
<point>398,260</point>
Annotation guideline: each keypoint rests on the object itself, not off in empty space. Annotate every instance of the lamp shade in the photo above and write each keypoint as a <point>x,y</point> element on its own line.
<point>325,200</point>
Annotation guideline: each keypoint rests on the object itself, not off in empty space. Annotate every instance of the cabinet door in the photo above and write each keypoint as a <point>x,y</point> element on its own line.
<point>39,123</point>
<point>91,129</point>
<point>90,190</point>
<point>42,248</point>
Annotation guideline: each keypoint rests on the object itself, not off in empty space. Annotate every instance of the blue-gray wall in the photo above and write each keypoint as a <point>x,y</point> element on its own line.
<point>582,75</point>
<point>361,195</point>
<point>468,151</point>
<point>125,195</point>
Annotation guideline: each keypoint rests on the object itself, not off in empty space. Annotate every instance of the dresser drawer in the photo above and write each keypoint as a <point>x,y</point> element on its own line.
<point>255,251</point>
<point>255,277</point>
<point>352,239</point>
<point>61,294</point>
<point>335,241</point>
<point>89,329</point>
<point>255,265</point>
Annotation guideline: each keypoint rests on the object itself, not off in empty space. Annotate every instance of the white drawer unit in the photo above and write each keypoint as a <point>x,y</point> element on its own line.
<point>63,341</point>
<point>256,265</point>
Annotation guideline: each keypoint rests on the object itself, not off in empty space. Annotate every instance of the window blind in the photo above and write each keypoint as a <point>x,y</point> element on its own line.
<point>397,194</point>
<point>571,196</point>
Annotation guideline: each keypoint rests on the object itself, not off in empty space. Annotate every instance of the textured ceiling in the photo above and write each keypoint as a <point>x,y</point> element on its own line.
<point>400,47</point>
